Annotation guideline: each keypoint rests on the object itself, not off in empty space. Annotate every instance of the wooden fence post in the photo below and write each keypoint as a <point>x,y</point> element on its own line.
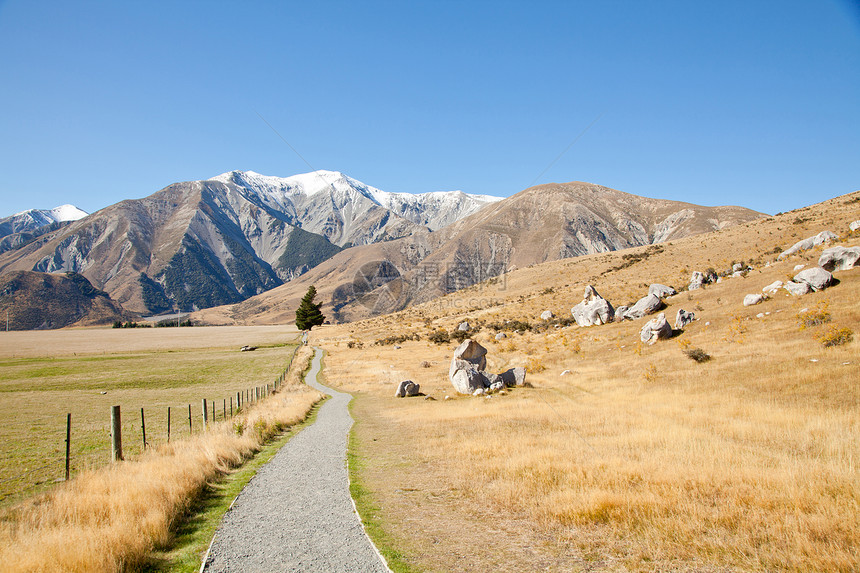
<point>115,434</point>
<point>224,409</point>
<point>190,429</point>
<point>168,424</point>
<point>143,427</point>
<point>205,415</point>
<point>231,407</point>
<point>213,411</point>
<point>68,442</point>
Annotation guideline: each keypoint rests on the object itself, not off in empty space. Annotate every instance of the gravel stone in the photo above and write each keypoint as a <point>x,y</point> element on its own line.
<point>296,514</point>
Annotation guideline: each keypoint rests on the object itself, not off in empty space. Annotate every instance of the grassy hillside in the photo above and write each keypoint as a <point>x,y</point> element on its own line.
<point>623,456</point>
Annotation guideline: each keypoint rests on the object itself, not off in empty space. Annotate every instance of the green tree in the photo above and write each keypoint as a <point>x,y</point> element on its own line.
<point>308,314</point>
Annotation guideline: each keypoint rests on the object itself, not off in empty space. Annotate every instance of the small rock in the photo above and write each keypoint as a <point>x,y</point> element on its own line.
<point>737,267</point>
<point>479,391</point>
<point>773,287</point>
<point>655,329</point>
<point>760,315</point>
<point>430,398</point>
<point>406,389</point>
<point>501,336</point>
<point>447,397</point>
<point>463,327</point>
<point>683,318</point>
<point>565,373</point>
<point>798,267</point>
<point>854,225</point>
<point>397,347</point>
<point>546,315</point>
<point>816,277</point>
<point>752,299</point>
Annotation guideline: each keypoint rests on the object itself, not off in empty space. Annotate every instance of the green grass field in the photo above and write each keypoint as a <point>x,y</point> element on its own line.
<point>38,391</point>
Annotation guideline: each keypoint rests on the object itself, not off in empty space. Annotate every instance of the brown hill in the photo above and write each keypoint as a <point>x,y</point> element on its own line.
<point>542,223</point>
<point>37,301</point>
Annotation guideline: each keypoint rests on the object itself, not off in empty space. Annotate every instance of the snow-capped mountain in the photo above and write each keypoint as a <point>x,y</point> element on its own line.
<point>32,219</point>
<point>352,199</point>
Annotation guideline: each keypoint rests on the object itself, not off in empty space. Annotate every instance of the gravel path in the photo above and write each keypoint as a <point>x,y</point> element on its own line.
<point>296,513</point>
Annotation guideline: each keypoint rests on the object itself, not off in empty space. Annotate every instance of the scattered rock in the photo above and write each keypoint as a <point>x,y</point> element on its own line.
<point>397,347</point>
<point>447,397</point>
<point>646,305</point>
<point>752,299</point>
<point>796,289</point>
<point>773,287</point>
<point>655,329</point>
<point>497,386</point>
<point>661,291</point>
<point>479,392</point>
<point>619,313</point>
<point>430,398</point>
<point>839,258</point>
<point>247,349</point>
<point>501,336</point>
<point>737,267</point>
<point>406,389</point>
<point>806,244</point>
<point>816,277</point>
<point>565,373</point>
<point>463,327</point>
<point>547,315</point>
<point>593,310</point>
<point>854,225</point>
<point>696,280</point>
<point>760,315</point>
<point>798,267</point>
<point>683,318</point>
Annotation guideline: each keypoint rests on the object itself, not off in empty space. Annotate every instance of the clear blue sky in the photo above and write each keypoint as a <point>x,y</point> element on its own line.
<point>750,102</point>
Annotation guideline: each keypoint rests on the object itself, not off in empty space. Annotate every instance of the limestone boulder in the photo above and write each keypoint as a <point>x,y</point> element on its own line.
<point>683,318</point>
<point>796,289</point>
<point>839,258</point>
<point>467,380</point>
<point>808,243</point>
<point>472,352</point>
<point>816,277</point>
<point>773,287</point>
<point>619,313</point>
<point>753,299</point>
<point>697,279</point>
<point>854,225</point>
<point>655,329</point>
<point>593,310</point>
<point>646,305</point>
<point>407,389</point>
<point>514,376</point>
<point>463,327</point>
<point>661,291</point>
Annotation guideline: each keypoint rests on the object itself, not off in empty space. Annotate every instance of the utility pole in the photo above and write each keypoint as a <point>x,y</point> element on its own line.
<point>7,320</point>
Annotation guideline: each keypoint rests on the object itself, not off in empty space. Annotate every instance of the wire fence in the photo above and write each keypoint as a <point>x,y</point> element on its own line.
<point>87,445</point>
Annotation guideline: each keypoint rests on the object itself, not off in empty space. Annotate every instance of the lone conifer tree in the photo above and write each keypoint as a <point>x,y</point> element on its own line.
<point>308,314</point>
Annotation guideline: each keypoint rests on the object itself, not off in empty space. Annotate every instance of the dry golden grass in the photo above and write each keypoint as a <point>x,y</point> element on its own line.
<point>112,518</point>
<point>641,458</point>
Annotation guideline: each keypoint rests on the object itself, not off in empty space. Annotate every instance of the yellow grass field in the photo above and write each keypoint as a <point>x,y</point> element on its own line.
<point>45,375</point>
<point>637,458</point>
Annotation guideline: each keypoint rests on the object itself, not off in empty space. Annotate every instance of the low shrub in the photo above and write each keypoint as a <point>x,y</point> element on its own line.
<point>816,316</point>
<point>439,337</point>
<point>697,354</point>
<point>836,336</point>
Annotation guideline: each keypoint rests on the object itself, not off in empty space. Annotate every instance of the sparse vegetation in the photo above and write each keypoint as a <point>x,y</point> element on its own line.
<point>818,315</point>
<point>836,336</point>
<point>697,355</point>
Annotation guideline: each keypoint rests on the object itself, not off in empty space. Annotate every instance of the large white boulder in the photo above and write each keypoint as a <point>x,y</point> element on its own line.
<point>655,329</point>
<point>407,388</point>
<point>472,352</point>
<point>773,287</point>
<point>646,305</point>
<point>468,380</point>
<point>796,289</point>
<point>816,277</point>
<point>697,279</point>
<point>593,310</point>
<point>808,243</point>
<point>839,258</point>
<point>661,291</point>
<point>683,318</point>
<point>854,225</point>
<point>751,299</point>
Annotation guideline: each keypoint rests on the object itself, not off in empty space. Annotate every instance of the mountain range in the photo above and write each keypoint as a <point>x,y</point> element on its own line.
<point>242,235</point>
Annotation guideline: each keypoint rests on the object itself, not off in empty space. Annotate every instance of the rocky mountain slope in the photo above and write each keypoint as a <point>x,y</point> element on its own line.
<point>42,300</point>
<point>200,244</point>
<point>33,219</point>
<point>542,223</point>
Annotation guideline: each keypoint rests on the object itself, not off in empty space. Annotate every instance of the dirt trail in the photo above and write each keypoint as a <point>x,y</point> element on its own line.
<point>296,513</point>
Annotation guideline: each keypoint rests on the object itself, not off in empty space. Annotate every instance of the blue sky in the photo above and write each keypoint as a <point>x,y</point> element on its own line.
<point>754,103</point>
